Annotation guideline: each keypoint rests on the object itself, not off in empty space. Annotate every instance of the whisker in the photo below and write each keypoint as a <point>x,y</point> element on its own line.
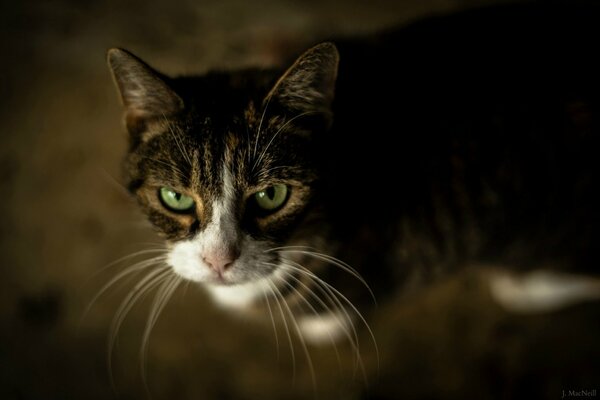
<point>335,303</point>
<point>186,286</point>
<point>332,261</point>
<point>248,141</point>
<point>323,289</point>
<point>341,296</point>
<point>151,280</point>
<point>138,266</point>
<point>268,303</point>
<point>157,245</point>
<point>185,150</point>
<point>258,130</point>
<point>124,258</point>
<point>160,301</point>
<point>271,287</point>
<point>127,271</point>
<point>269,170</point>
<point>177,142</point>
<point>300,336</point>
<point>174,168</point>
<point>312,308</point>
<point>326,292</point>
<point>261,156</point>
<point>115,183</point>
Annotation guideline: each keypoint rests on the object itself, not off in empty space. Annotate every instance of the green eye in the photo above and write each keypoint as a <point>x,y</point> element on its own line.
<point>175,201</point>
<point>272,197</point>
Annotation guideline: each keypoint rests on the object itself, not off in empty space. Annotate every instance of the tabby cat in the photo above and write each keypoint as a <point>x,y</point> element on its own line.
<point>373,164</point>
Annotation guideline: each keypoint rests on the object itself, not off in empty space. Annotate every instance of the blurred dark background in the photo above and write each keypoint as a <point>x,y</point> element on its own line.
<point>64,217</point>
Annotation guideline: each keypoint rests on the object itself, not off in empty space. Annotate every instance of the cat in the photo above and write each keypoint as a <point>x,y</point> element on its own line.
<point>371,165</point>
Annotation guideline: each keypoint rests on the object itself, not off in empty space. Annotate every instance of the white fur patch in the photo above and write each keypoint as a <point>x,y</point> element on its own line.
<point>323,329</point>
<point>243,295</point>
<point>542,291</point>
<point>222,228</point>
<point>245,282</point>
<point>186,260</point>
<point>186,256</point>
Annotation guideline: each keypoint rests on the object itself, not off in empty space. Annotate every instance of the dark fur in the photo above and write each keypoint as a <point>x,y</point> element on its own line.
<point>459,141</point>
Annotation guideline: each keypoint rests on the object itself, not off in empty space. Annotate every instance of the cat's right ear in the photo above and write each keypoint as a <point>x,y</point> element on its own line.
<point>144,92</point>
<point>308,86</point>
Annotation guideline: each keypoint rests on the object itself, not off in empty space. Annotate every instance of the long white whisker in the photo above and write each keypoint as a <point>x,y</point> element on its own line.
<point>268,303</point>
<point>186,286</point>
<point>332,261</point>
<point>124,258</point>
<point>160,301</point>
<point>271,287</point>
<point>335,302</point>
<point>152,279</point>
<point>323,288</point>
<point>300,336</point>
<point>313,310</point>
<point>341,296</point>
<point>313,252</point>
<point>127,271</point>
<point>327,292</point>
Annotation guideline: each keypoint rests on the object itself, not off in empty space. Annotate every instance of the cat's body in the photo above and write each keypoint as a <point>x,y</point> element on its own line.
<point>453,143</point>
<point>472,141</point>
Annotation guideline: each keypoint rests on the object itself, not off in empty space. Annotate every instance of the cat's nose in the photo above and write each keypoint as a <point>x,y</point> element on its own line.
<point>221,261</point>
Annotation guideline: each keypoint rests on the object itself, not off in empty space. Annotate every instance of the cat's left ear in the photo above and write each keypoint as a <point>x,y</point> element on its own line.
<point>308,85</point>
<point>144,92</point>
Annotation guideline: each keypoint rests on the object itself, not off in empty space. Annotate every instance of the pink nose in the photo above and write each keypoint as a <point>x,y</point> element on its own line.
<point>220,261</point>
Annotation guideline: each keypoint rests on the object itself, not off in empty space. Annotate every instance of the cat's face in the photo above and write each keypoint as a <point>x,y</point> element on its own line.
<point>225,166</point>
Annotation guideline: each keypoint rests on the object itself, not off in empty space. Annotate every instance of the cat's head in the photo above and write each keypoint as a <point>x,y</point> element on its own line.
<point>225,165</point>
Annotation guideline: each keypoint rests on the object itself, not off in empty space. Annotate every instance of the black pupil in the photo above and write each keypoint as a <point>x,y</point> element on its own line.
<point>177,196</point>
<point>270,192</point>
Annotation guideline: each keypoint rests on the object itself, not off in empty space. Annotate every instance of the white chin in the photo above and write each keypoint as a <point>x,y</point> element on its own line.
<point>237,296</point>
<point>241,295</point>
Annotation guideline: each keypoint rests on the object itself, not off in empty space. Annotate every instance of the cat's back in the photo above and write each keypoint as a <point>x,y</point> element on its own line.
<point>476,132</point>
<point>510,41</point>
<point>478,58</point>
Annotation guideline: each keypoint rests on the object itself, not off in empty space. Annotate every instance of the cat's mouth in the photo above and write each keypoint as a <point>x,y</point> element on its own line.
<point>243,289</point>
<point>220,280</point>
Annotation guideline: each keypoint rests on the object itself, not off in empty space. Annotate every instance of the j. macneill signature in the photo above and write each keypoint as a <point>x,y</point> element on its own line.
<point>579,393</point>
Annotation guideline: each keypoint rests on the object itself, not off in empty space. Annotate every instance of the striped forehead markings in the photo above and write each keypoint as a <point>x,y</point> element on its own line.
<point>222,221</point>
<point>196,170</point>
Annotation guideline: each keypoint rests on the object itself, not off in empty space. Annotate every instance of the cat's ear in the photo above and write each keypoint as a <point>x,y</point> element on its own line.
<point>144,92</point>
<point>308,85</point>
